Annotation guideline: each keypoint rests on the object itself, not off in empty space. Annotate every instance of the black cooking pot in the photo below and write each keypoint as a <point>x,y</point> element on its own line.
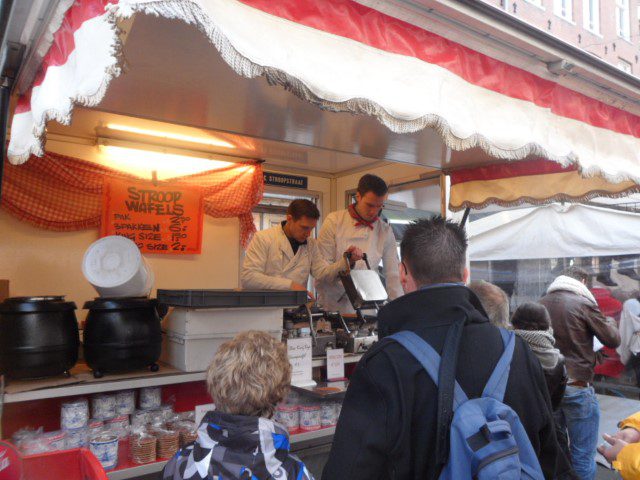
<point>38,336</point>
<point>122,334</point>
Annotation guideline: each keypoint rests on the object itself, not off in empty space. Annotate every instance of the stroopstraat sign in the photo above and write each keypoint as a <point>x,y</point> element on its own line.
<point>282,180</point>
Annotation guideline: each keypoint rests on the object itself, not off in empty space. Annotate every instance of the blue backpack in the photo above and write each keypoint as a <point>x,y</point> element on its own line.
<point>486,439</point>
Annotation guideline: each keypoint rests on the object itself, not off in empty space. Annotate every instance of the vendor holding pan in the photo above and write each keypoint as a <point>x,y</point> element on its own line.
<point>282,257</point>
<point>360,226</point>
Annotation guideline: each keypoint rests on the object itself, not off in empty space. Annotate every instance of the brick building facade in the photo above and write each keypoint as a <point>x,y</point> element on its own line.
<point>609,29</point>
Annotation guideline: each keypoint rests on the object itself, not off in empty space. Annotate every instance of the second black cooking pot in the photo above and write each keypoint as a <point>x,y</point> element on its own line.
<point>122,334</point>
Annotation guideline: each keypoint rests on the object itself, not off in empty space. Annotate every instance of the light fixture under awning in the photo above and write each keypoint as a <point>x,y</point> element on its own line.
<point>344,56</point>
<point>210,141</point>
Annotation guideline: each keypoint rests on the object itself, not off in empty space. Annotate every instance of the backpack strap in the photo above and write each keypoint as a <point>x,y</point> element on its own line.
<point>497,384</point>
<point>428,358</point>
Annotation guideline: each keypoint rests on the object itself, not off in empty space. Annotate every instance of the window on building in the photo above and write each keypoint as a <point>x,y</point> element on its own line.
<point>623,24</point>
<point>591,15</point>
<point>563,8</point>
<point>537,3</point>
<point>625,66</point>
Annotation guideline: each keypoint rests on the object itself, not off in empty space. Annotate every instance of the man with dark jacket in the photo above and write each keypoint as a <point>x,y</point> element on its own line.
<point>576,320</point>
<point>387,428</point>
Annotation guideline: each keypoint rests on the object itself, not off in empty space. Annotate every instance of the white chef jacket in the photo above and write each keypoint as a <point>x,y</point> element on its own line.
<point>269,263</point>
<point>629,330</point>
<point>339,232</point>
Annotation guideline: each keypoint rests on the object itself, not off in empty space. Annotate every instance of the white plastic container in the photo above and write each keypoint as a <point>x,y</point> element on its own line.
<point>103,406</point>
<point>288,416</point>
<point>74,414</point>
<point>125,402</point>
<point>193,353</point>
<point>310,417</point>
<point>150,397</point>
<point>105,447</point>
<point>116,268</point>
<point>228,321</point>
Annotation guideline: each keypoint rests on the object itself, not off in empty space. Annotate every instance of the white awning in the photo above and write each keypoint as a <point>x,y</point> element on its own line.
<point>554,231</point>
<point>344,56</point>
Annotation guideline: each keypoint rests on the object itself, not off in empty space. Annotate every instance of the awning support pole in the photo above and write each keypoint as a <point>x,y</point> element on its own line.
<point>465,216</point>
<point>5,97</point>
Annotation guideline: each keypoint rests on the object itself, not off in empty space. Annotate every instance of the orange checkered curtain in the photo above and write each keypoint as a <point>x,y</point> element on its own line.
<point>61,193</point>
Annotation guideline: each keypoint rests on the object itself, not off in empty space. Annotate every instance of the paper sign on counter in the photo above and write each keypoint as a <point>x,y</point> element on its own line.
<point>335,364</point>
<point>299,351</point>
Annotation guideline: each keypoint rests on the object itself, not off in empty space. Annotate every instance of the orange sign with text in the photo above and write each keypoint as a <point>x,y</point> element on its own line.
<point>161,218</point>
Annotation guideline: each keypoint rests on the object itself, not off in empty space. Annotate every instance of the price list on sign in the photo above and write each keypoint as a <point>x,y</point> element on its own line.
<point>161,218</point>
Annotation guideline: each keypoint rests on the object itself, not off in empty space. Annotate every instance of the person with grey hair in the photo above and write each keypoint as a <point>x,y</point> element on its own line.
<point>576,320</point>
<point>494,300</point>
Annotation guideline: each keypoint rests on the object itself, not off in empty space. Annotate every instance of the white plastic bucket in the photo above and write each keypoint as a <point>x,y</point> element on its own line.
<point>116,268</point>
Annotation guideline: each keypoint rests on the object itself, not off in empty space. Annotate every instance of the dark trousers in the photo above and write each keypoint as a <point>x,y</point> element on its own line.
<point>561,433</point>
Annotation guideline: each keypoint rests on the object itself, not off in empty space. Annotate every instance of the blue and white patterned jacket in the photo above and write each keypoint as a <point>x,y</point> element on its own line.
<point>237,447</point>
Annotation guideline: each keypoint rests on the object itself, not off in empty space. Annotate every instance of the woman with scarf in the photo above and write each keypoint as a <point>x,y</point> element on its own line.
<point>532,323</point>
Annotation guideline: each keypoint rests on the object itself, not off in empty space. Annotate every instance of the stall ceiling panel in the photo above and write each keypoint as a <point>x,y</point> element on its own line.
<point>173,75</point>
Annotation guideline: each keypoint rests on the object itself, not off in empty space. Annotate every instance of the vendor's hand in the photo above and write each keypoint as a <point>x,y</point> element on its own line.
<point>301,288</point>
<point>611,453</point>
<point>355,254</point>
<point>628,434</point>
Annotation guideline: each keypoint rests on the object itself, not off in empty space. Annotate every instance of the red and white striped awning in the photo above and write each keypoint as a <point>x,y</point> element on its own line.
<point>344,56</point>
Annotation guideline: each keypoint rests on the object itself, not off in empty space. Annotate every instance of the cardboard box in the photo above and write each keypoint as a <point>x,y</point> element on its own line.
<point>4,289</point>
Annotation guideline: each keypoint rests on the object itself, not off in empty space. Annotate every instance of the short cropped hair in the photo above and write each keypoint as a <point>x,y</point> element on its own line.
<point>303,208</point>
<point>494,301</point>
<point>531,316</point>
<point>372,183</point>
<point>576,273</point>
<point>249,375</point>
<point>434,250</point>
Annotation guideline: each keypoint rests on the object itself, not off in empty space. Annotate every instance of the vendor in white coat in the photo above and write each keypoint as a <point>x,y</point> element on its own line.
<point>360,226</point>
<point>282,257</point>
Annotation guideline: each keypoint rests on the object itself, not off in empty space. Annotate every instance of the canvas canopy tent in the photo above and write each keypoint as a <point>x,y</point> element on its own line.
<point>346,56</point>
<point>554,231</point>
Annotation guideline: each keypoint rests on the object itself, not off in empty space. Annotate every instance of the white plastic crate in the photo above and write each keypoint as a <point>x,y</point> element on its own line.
<point>205,321</point>
<point>193,353</point>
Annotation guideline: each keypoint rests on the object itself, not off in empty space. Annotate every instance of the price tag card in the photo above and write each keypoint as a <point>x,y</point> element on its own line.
<point>299,350</point>
<point>335,364</point>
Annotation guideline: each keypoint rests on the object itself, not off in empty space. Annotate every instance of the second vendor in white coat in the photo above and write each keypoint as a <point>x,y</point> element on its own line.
<point>359,225</point>
<point>282,257</point>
